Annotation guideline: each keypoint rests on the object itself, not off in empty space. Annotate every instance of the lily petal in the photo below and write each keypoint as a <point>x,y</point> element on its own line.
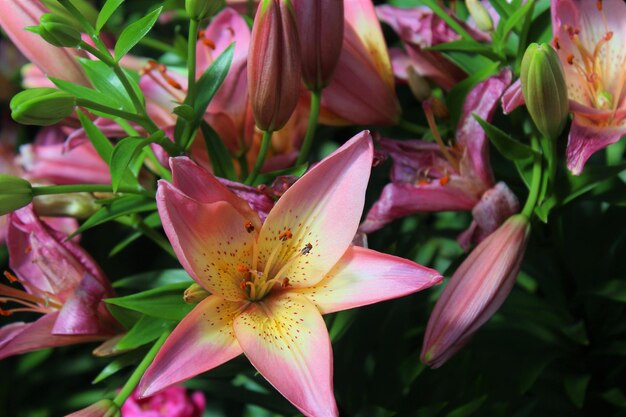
<point>201,185</point>
<point>513,97</point>
<point>210,240</point>
<point>323,209</point>
<point>364,276</point>
<point>286,340</point>
<point>585,139</point>
<point>203,340</point>
<point>79,314</point>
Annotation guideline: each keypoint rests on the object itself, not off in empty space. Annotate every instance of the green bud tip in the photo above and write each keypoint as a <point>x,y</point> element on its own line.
<point>15,193</point>
<point>59,32</point>
<point>41,106</point>
<point>202,9</point>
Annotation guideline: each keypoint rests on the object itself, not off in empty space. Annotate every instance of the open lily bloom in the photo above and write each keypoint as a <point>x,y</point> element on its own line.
<point>431,177</point>
<point>60,281</point>
<point>270,283</point>
<point>590,39</point>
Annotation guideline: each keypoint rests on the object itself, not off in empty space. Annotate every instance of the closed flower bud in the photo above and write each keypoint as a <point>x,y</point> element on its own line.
<point>202,9</point>
<point>194,294</point>
<point>480,15</point>
<point>77,205</point>
<point>274,65</point>
<point>15,193</point>
<point>544,89</point>
<point>56,31</point>
<point>41,106</point>
<point>320,27</point>
<point>103,408</point>
<point>476,291</point>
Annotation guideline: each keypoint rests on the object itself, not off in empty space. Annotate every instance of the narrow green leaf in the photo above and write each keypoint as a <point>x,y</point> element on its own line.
<point>104,80</point>
<point>107,11</point>
<point>144,331</point>
<point>468,409</point>
<point>133,33</point>
<point>468,46</point>
<point>509,148</point>
<point>576,389</point>
<point>123,154</point>
<point>164,302</point>
<point>613,290</point>
<point>516,18</point>
<point>102,144</point>
<point>443,15</point>
<point>154,279</point>
<point>117,365</point>
<point>153,221</point>
<point>83,92</point>
<point>221,161</point>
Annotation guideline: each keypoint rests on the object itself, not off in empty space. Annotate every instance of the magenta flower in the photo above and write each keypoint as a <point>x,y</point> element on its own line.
<point>270,283</point>
<point>60,280</point>
<point>427,177</point>
<point>476,291</point>
<point>171,402</point>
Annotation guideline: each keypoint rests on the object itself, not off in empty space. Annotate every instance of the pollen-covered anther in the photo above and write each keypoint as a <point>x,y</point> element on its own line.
<point>556,43</point>
<point>570,59</point>
<point>285,283</point>
<point>248,226</point>
<point>444,180</point>
<point>5,313</point>
<point>10,277</point>
<point>242,269</point>
<point>599,5</point>
<point>608,36</point>
<point>307,249</point>
<point>208,42</point>
<point>285,235</point>
<point>201,34</point>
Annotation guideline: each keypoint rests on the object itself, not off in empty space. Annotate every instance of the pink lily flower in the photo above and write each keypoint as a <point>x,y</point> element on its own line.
<point>431,177</point>
<point>476,291</point>
<point>171,402</point>
<point>271,283</point>
<point>103,408</point>
<point>362,90</point>
<point>56,62</point>
<point>60,280</point>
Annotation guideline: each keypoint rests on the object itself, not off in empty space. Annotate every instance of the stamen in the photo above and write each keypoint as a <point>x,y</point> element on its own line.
<point>430,118</point>
<point>248,226</point>
<point>444,180</point>
<point>208,42</point>
<point>9,276</point>
<point>285,283</point>
<point>285,235</point>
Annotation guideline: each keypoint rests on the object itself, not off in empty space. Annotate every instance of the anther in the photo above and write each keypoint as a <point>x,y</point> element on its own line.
<point>5,312</point>
<point>248,226</point>
<point>285,283</point>
<point>9,276</point>
<point>208,42</point>
<point>242,268</point>
<point>556,43</point>
<point>444,180</point>
<point>307,249</point>
<point>201,34</point>
<point>608,36</point>
<point>285,235</point>
<point>173,82</point>
<point>599,5</point>
<point>570,59</point>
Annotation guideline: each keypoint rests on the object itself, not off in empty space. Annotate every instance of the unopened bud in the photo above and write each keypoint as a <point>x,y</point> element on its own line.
<point>15,193</point>
<point>41,106</point>
<point>274,65</point>
<point>544,89</point>
<point>77,205</point>
<point>418,84</point>
<point>103,408</point>
<point>320,28</point>
<point>58,32</point>
<point>480,15</point>
<point>194,294</point>
<point>202,9</point>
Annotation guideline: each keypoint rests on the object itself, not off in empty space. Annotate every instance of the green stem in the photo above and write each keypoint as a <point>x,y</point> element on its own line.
<point>191,61</point>
<point>139,106</point>
<point>260,160</point>
<point>89,29</point>
<point>412,127</point>
<point>147,151</point>
<point>163,141</point>
<point>158,45</point>
<point>535,185</point>
<point>156,237</point>
<point>104,57</point>
<point>243,166</point>
<point>312,126</point>
<point>134,379</point>
<point>110,110</point>
<point>87,188</point>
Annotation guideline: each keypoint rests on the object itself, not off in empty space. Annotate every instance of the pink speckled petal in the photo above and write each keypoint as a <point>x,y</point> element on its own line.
<point>286,340</point>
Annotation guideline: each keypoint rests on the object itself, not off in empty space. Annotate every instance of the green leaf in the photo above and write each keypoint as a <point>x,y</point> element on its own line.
<point>154,279</point>
<point>576,389</point>
<point>468,409</point>
<point>117,365</point>
<point>102,144</point>
<point>85,93</point>
<point>144,331</point>
<point>164,302</point>
<point>133,33</point>
<point>123,154</point>
<point>153,220</point>
<point>613,290</point>
<point>107,11</point>
<point>509,148</point>
<point>221,161</point>
<point>121,206</point>
<point>443,15</point>
<point>468,46</point>
<point>103,79</point>
<point>616,397</point>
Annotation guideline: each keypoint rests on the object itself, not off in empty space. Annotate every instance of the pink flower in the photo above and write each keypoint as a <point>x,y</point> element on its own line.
<point>428,177</point>
<point>362,90</point>
<point>271,283</point>
<point>476,291</point>
<point>56,62</point>
<point>171,402</point>
<point>60,281</point>
<point>103,408</point>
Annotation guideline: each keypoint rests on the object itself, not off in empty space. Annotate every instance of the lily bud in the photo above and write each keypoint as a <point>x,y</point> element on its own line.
<point>77,205</point>
<point>480,15</point>
<point>320,28</point>
<point>15,193</point>
<point>41,106</point>
<point>56,31</point>
<point>418,84</point>
<point>202,9</point>
<point>194,294</point>
<point>544,89</point>
<point>274,65</point>
<point>476,291</point>
<point>103,408</point>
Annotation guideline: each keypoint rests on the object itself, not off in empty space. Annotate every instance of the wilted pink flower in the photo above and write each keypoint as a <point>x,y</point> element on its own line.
<point>428,177</point>
<point>56,62</point>
<point>270,283</point>
<point>171,402</point>
<point>476,291</point>
<point>362,90</point>
<point>60,280</point>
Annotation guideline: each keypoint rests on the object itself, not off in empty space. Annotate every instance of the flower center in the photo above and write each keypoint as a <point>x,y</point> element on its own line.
<point>35,302</point>
<point>259,283</point>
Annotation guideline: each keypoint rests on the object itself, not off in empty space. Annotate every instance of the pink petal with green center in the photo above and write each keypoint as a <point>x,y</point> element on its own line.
<point>286,340</point>
<point>364,276</point>
<point>322,209</point>
<point>203,340</point>
<point>210,240</point>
